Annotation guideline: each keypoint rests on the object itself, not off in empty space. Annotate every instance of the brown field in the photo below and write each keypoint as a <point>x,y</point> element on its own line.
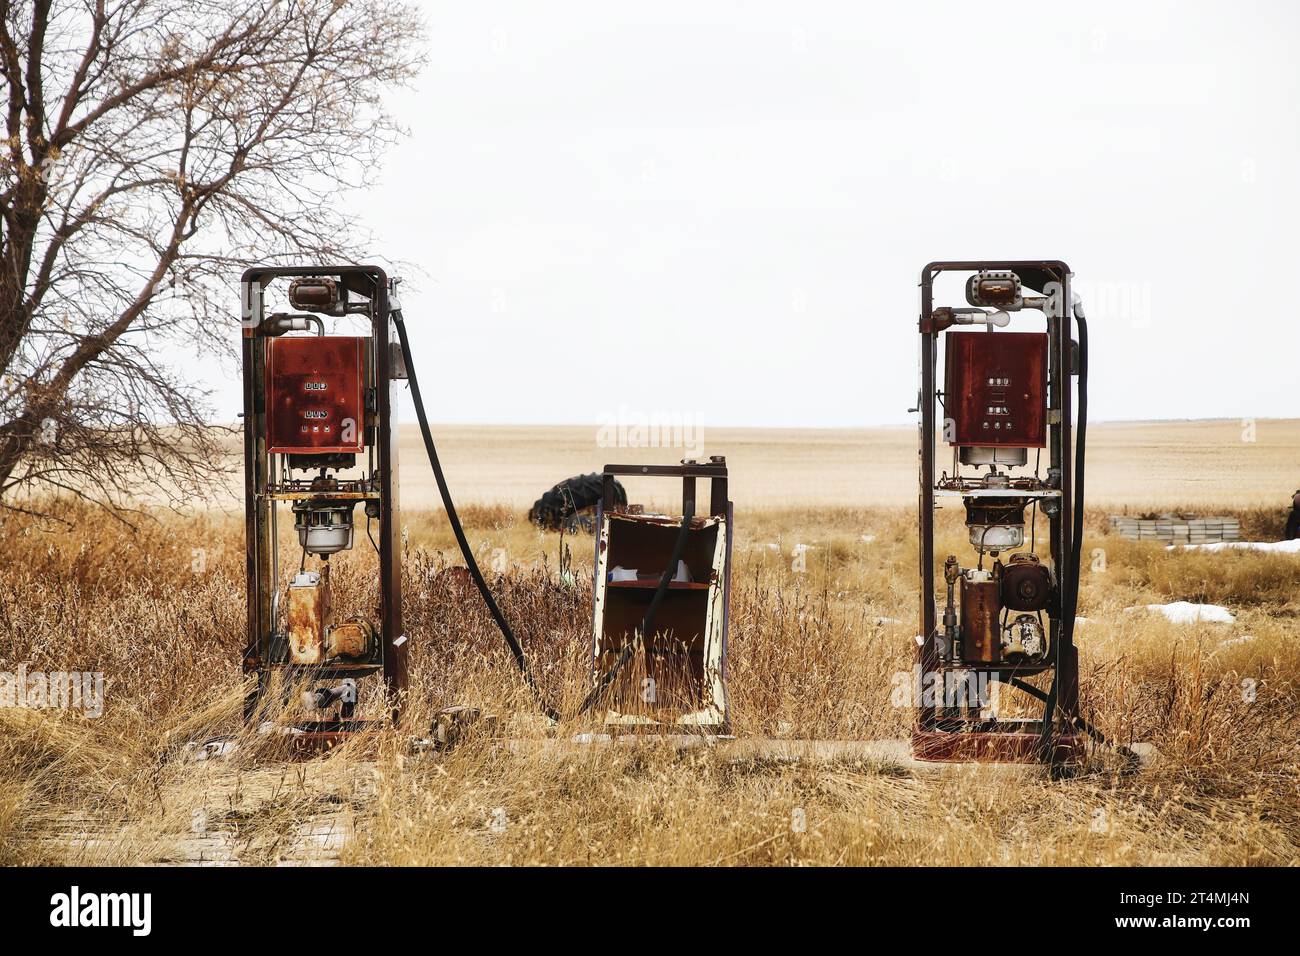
<point>813,655</point>
<point>1133,465</point>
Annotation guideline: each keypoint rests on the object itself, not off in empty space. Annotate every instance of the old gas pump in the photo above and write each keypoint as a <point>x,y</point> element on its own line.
<point>320,452</point>
<point>1002,611</point>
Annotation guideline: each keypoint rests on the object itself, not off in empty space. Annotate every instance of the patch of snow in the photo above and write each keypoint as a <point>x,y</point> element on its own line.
<point>868,538</point>
<point>1278,547</point>
<point>1185,612</point>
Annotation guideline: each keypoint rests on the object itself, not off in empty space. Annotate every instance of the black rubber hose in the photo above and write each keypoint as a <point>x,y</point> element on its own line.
<point>647,622</point>
<point>516,650</point>
<point>511,641</point>
<point>1070,602</point>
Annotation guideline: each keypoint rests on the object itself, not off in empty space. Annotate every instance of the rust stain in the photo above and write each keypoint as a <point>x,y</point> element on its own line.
<point>306,622</point>
<point>349,639</point>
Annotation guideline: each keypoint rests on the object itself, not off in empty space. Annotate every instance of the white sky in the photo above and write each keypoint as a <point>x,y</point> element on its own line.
<point>719,211</point>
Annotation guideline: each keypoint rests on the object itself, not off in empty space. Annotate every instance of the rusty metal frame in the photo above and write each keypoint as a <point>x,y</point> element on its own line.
<point>371,282</point>
<point>721,510</point>
<point>931,740</point>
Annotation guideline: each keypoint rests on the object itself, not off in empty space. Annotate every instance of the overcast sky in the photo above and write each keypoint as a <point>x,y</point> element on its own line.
<point>720,210</point>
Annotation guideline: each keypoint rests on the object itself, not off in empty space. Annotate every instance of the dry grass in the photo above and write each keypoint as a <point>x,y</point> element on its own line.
<point>812,656</point>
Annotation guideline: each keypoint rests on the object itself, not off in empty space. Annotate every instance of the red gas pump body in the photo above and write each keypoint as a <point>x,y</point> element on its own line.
<point>996,388</point>
<point>315,394</point>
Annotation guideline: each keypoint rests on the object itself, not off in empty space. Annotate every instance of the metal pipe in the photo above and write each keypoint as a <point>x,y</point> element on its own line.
<point>282,322</point>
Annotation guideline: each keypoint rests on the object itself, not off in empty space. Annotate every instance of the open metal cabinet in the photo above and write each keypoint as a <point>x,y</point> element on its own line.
<point>676,678</point>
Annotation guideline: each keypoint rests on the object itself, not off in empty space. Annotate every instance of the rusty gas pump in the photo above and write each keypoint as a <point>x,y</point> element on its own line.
<point>320,450</point>
<point>1005,410</point>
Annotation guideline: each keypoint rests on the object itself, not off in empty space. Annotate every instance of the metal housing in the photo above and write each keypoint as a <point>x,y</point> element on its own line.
<point>995,388</point>
<point>315,394</point>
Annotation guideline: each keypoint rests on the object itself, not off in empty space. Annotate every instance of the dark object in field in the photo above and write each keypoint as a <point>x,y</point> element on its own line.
<point>1293,520</point>
<point>572,504</point>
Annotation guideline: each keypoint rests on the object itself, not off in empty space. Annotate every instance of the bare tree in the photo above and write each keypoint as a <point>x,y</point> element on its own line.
<point>154,148</point>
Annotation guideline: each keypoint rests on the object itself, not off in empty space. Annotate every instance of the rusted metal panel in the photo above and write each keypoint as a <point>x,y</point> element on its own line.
<point>308,609</point>
<point>314,394</point>
<point>995,390</point>
<point>1023,745</point>
<point>352,639</point>
<point>980,633</point>
<point>313,636</point>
